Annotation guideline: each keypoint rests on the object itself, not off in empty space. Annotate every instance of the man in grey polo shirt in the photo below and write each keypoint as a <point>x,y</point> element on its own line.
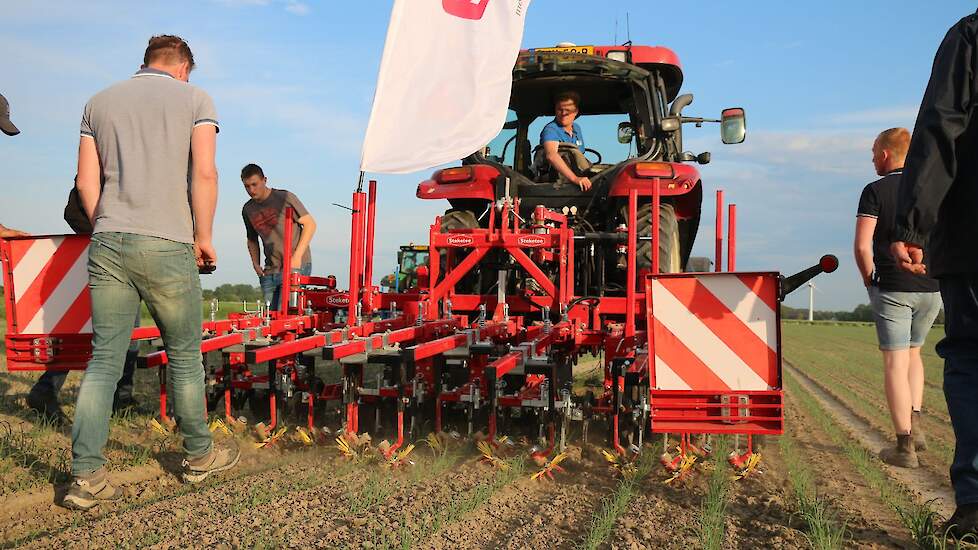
<point>150,141</point>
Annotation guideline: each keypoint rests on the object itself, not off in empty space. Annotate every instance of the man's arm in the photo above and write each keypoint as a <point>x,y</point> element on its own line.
<point>550,148</point>
<point>308,229</point>
<point>932,159</point>
<point>863,247</point>
<point>7,232</point>
<point>255,252</point>
<point>89,178</point>
<point>203,191</point>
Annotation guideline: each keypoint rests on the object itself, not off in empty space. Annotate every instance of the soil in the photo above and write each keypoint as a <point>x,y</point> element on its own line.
<point>289,495</point>
<point>926,481</point>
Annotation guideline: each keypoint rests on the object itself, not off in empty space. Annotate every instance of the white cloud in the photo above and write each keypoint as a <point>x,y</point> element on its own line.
<point>884,117</point>
<point>294,7</point>
<point>297,8</point>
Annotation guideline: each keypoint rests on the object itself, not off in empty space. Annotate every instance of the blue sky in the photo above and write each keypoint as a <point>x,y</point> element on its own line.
<point>293,82</point>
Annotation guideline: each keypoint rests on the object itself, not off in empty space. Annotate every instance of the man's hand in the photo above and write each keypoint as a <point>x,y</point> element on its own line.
<point>205,254</point>
<point>909,257</point>
<point>259,270</point>
<point>6,232</point>
<point>296,261</point>
<point>584,183</point>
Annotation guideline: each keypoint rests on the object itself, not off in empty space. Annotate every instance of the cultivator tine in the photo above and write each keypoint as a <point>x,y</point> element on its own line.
<point>616,386</point>
<point>400,458</point>
<point>551,467</point>
<point>746,463</point>
<point>682,464</point>
<point>162,375</point>
<point>218,425</point>
<point>619,463</point>
<point>272,396</point>
<point>271,438</point>
<point>489,456</point>
<point>492,391</point>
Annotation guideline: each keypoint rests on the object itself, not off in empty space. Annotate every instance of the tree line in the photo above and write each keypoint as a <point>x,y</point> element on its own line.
<point>233,293</point>
<point>862,312</point>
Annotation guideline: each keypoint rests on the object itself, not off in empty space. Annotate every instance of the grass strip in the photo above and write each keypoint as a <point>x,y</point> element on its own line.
<point>825,531</point>
<point>613,506</point>
<point>918,518</point>
<point>712,526</point>
<point>435,518</point>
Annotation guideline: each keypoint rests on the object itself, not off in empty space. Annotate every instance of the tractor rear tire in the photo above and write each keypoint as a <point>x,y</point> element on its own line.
<point>460,219</point>
<point>669,250</point>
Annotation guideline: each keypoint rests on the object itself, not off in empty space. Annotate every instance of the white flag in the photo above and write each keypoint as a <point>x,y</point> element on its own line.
<point>444,83</point>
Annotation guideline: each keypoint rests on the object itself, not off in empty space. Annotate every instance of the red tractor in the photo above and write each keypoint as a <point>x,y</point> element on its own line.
<point>629,92</point>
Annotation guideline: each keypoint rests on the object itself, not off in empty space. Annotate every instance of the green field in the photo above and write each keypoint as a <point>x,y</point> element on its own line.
<point>845,359</point>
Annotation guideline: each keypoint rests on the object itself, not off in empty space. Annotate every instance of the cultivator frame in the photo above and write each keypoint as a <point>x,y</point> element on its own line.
<point>443,348</point>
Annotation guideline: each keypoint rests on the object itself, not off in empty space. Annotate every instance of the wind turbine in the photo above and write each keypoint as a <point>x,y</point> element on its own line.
<point>811,301</point>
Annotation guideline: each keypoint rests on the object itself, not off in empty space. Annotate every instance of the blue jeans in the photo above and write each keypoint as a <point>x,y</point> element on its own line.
<point>271,284</point>
<point>959,348</point>
<point>123,269</point>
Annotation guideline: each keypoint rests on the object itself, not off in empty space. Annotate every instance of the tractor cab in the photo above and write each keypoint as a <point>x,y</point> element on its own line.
<point>631,122</point>
<point>618,113</point>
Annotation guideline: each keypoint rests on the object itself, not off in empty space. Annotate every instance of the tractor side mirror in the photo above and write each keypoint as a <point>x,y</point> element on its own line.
<point>733,125</point>
<point>625,132</point>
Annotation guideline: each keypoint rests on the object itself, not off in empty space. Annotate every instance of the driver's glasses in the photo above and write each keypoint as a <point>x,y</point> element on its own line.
<point>566,110</point>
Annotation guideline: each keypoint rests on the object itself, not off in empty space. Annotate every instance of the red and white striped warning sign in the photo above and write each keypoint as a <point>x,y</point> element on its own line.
<point>46,283</point>
<point>715,331</point>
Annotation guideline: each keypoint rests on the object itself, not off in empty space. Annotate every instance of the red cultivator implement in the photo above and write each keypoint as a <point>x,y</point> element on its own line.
<point>522,281</point>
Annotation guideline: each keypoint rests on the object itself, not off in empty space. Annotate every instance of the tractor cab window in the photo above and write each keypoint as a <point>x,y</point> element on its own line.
<point>600,135</point>
<point>502,148</point>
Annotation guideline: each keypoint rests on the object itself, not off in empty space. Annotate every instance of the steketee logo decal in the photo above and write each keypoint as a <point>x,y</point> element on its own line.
<point>466,9</point>
<point>460,240</point>
<point>531,240</point>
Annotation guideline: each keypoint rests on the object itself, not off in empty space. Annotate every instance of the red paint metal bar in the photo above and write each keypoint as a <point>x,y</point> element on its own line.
<point>286,272</point>
<point>656,205</point>
<point>719,232</point>
<point>455,275</point>
<point>435,347</point>
<point>632,253</point>
<point>356,255</point>
<point>159,358</point>
<point>732,237</point>
<point>506,363</point>
<point>534,271</point>
<point>285,349</point>
<point>368,259</point>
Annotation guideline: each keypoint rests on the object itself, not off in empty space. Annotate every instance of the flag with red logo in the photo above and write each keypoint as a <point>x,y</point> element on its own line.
<point>444,83</point>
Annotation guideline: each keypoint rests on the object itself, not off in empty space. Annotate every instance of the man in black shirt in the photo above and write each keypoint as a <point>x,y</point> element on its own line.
<point>938,206</point>
<point>904,304</point>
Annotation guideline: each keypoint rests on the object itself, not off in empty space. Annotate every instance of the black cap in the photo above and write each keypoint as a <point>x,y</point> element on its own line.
<point>5,125</point>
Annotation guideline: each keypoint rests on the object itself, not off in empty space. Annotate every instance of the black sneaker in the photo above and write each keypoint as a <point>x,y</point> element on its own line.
<point>222,457</point>
<point>963,524</point>
<point>86,492</point>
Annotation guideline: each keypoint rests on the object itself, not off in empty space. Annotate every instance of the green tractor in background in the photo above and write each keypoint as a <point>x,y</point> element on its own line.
<point>405,276</point>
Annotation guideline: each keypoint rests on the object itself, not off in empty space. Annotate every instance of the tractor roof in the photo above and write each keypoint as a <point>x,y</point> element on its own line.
<point>650,58</point>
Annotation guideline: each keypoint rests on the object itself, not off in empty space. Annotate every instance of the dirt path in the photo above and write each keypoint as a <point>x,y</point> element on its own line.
<point>922,481</point>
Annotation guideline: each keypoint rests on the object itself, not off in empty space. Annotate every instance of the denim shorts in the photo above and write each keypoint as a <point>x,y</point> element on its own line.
<point>903,319</point>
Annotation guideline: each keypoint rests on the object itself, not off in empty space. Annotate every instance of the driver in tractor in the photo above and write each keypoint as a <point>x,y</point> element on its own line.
<point>563,145</point>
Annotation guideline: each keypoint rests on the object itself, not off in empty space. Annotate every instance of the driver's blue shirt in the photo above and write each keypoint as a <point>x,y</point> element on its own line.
<point>555,132</point>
